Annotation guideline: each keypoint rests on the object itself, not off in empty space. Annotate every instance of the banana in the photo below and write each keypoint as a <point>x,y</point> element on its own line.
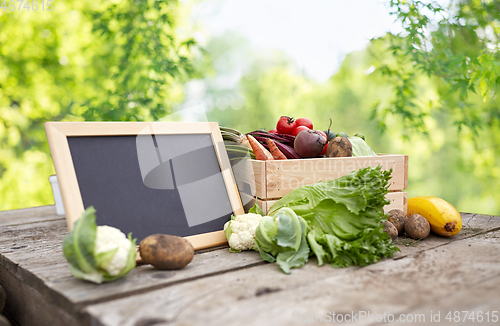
<point>444,219</point>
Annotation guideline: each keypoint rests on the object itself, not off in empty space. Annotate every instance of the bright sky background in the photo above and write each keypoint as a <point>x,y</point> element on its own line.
<point>316,33</point>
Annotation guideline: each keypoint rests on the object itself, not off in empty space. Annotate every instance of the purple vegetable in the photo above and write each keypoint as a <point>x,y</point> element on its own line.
<point>290,138</point>
<point>274,137</point>
<point>288,151</point>
<point>309,143</point>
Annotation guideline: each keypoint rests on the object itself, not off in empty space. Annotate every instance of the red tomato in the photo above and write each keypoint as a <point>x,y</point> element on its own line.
<point>326,141</point>
<point>273,131</point>
<point>322,134</point>
<point>299,129</point>
<point>304,122</point>
<point>285,125</point>
<point>324,149</point>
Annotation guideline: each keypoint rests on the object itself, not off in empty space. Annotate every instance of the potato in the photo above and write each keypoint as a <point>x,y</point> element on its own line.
<point>166,251</point>
<point>339,147</point>
<point>417,227</point>
<point>397,217</point>
<point>391,229</point>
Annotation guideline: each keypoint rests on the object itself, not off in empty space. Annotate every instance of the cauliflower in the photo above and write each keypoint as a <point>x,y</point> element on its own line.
<point>240,231</point>
<point>109,238</point>
<point>98,253</point>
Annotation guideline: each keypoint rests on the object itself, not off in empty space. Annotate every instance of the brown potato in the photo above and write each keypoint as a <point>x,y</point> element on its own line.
<point>166,251</point>
<point>397,217</point>
<point>339,147</point>
<point>391,229</point>
<point>417,227</point>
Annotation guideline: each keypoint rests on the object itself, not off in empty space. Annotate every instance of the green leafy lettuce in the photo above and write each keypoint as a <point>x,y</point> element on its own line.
<point>344,217</point>
<point>360,147</point>
<point>282,239</point>
<point>79,250</point>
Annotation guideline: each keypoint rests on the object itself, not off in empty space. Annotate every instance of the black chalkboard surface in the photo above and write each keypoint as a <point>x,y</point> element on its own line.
<point>166,182</point>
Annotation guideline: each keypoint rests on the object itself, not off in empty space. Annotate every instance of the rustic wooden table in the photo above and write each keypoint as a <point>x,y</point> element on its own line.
<point>438,277</point>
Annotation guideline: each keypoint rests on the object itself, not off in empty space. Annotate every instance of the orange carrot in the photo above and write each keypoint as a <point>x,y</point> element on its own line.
<point>277,154</point>
<point>259,150</point>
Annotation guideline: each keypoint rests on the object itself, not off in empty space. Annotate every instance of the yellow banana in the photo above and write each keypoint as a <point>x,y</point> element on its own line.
<point>442,216</point>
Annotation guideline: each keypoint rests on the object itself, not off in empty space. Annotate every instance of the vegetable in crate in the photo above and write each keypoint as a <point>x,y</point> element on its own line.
<point>261,153</point>
<point>360,147</point>
<point>237,145</point>
<point>309,143</point>
<point>339,147</point>
<point>345,217</point>
<point>285,125</point>
<point>297,130</point>
<point>306,122</point>
<point>282,141</point>
<point>275,152</point>
<point>98,253</point>
<point>330,134</point>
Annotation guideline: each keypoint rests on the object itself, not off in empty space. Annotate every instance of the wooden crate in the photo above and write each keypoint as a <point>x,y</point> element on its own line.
<point>274,179</point>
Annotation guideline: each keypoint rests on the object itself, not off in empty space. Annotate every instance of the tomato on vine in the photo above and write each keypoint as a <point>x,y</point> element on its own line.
<point>298,129</point>
<point>304,122</point>
<point>285,125</point>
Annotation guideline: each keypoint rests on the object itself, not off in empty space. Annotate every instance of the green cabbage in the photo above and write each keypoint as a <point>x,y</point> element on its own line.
<point>344,217</point>
<point>79,250</point>
<point>360,147</point>
<point>282,239</point>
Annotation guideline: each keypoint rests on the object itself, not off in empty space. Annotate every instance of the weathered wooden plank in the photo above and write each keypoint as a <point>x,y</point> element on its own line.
<point>477,305</point>
<point>145,278</point>
<point>263,295</point>
<point>28,306</point>
<point>29,215</point>
<point>32,253</point>
<point>473,224</point>
<point>48,264</point>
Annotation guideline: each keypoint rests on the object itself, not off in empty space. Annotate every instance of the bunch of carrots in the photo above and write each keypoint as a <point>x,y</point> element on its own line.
<point>261,153</point>
<point>269,146</point>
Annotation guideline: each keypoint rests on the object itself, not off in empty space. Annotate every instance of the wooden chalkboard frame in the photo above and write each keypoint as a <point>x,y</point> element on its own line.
<point>57,136</point>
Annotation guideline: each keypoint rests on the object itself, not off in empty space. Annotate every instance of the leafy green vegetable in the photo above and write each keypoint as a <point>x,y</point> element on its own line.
<point>256,210</point>
<point>344,216</point>
<point>79,249</point>
<point>282,239</point>
<point>360,147</point>
<point>228,231</point>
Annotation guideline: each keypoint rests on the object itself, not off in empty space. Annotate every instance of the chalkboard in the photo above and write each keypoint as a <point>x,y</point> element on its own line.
<point>173,179</point>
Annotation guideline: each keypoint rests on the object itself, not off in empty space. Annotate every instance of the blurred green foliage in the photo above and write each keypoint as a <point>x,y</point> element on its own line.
<point>404,97</point>
<point>98,60</point>
<point>458,47</point>
<point>429,92</point>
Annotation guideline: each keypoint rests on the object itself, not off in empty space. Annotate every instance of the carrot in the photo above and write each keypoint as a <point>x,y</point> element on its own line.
<point>277,154</point>
<point>259,150</point>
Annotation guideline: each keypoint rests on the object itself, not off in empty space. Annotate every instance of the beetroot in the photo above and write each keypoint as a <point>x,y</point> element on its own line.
<point>309,143</point>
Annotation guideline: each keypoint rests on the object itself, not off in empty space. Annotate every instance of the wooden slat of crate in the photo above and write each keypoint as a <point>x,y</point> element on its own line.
<point>397,198</point>
<point>274,179</point>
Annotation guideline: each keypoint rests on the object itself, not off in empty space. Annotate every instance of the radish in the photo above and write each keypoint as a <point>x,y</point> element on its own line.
<point>309,143</point>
